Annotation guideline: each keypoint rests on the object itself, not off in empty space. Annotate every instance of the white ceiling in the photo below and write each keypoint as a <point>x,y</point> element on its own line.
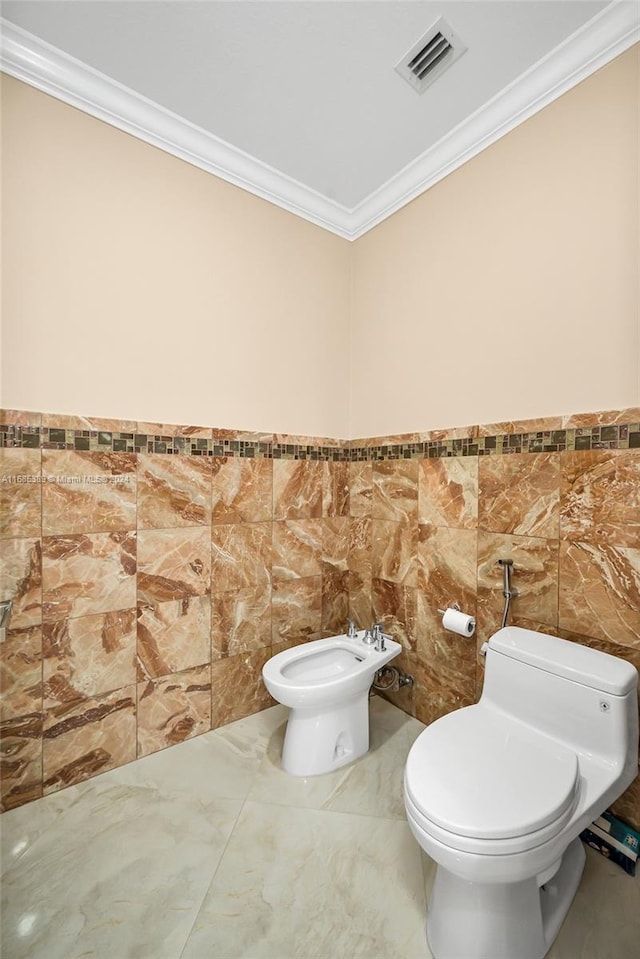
<point>299,101</point>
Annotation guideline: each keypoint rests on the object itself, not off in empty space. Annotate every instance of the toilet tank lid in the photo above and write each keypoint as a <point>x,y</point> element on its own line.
<point>581,664</point>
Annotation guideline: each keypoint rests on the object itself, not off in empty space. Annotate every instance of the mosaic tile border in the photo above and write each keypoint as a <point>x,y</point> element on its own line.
<point>621,436</point>
<point>618,436</point>
<point>96,441</point>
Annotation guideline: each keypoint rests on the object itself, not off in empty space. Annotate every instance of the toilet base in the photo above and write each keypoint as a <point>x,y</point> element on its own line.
<point>470,920</point>
<point>319,741</point>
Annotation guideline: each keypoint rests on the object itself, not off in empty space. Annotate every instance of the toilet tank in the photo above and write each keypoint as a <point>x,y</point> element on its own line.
<point>579,695</point>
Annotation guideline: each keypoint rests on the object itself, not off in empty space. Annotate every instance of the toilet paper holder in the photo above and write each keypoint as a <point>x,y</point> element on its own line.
<point>454,620</point>
<point>451,606</point>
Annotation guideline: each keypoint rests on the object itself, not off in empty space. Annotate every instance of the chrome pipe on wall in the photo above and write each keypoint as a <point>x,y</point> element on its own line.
<point>507,590</point>
<point>5,615</point>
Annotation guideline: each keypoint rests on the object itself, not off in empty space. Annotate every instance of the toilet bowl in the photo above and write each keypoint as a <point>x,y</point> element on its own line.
<point>497,793</point>
<point>325,684</point>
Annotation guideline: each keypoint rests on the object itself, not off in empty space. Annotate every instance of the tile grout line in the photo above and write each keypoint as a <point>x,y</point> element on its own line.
<point>212,879</point>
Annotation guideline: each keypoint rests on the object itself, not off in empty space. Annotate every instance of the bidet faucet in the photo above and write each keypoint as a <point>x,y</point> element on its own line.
<point>351,629</point>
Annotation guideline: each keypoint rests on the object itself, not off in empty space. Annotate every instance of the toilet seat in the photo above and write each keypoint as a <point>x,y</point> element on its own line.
<point>480,781</point>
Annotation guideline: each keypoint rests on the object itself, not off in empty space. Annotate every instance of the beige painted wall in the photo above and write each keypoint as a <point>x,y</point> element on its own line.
<point>135,285</point>
<point>510,289</point>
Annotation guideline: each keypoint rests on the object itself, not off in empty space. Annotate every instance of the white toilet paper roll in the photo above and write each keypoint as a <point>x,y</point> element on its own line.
<point>458,622</point>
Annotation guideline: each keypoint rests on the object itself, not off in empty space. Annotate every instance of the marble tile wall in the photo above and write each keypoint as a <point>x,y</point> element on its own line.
<point>156,567</point>
<point>433,513</point>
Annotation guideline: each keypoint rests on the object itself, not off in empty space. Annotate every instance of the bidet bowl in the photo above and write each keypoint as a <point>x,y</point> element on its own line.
<point>325,671</point>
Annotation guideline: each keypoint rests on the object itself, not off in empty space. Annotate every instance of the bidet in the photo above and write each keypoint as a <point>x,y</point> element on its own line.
<point>325,684</point>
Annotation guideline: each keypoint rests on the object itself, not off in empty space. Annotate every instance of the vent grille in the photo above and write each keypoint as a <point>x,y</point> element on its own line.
<point>429,56</point>
<point>434,53</point>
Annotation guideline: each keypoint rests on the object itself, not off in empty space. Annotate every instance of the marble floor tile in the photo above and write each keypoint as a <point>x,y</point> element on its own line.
<point>116,870</point>
<point>221,764</point>
<point>73,889</point>
<point>208,850</point>
<point>604,919</point>
<point>372,786</point>
<point>307,883</point>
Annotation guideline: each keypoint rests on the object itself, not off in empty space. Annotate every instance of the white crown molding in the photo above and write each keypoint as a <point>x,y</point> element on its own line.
<point>598,42</point>
<point>26,57</point>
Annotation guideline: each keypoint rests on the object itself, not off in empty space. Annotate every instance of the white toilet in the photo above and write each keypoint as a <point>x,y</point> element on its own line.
<point>326,685</point>
<point>497,793</point>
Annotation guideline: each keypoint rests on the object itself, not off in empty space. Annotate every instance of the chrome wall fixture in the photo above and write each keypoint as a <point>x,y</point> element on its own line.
<point>507,589</point>
<point>5,615</point>
<point>390,677</point>
<point>451,606</point>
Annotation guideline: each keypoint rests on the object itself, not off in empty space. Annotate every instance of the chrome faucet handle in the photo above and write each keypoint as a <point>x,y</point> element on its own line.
<point>379,637</point>
<point>352,632</point>
<point>368,637</point>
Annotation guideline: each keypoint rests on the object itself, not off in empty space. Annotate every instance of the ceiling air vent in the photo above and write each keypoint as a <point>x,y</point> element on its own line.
<point>431,56</point>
